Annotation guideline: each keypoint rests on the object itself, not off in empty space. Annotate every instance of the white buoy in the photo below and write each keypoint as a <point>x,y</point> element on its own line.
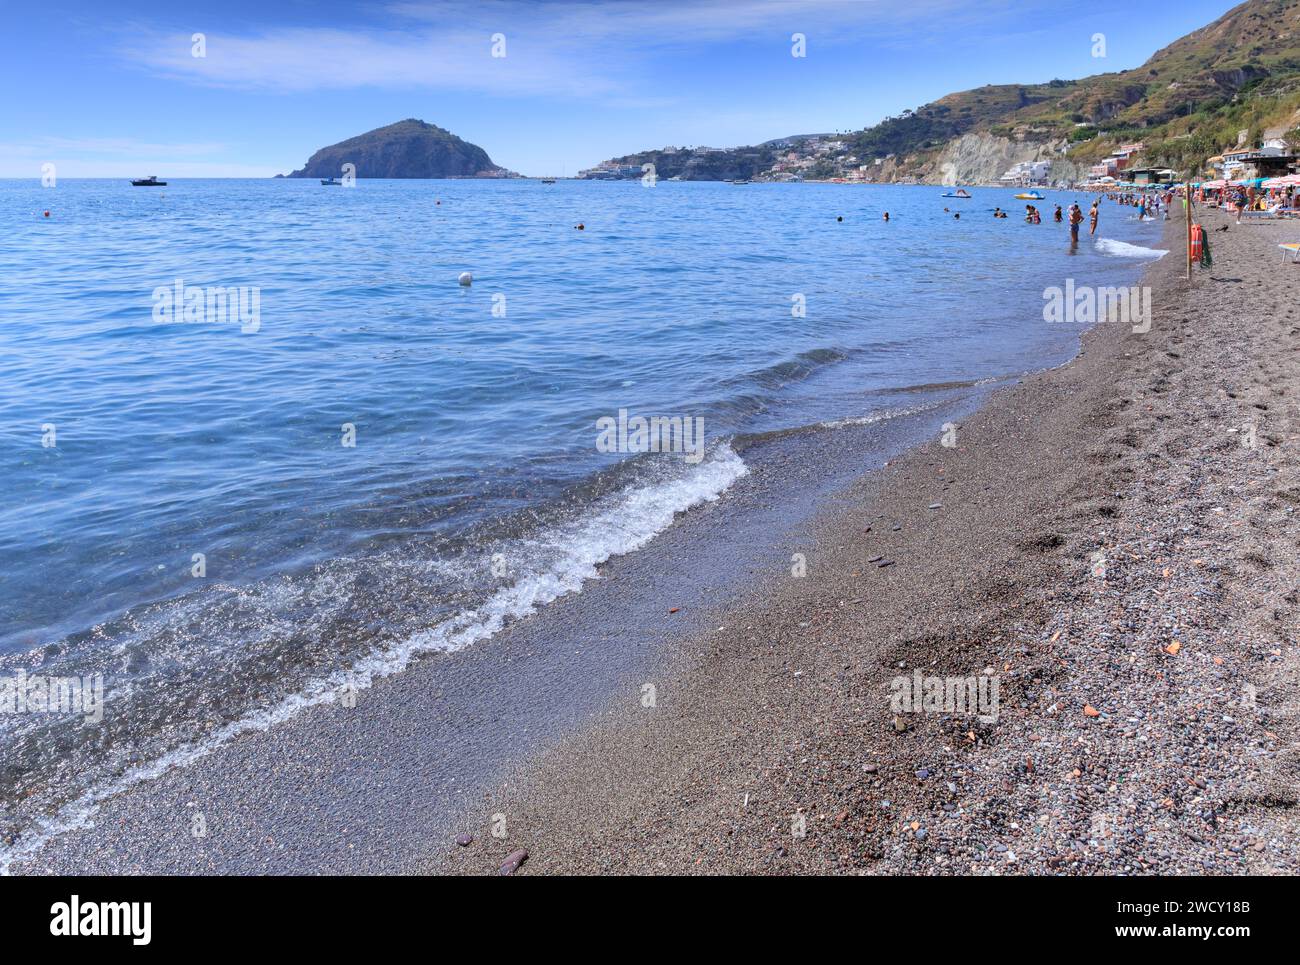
<point>466,278</point>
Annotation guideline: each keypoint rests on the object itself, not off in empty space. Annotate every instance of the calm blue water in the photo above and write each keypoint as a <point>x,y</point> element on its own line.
<point>474,430</point>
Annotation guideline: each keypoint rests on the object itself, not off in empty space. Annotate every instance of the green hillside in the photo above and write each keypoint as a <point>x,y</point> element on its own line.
<point>1187,102</point>
<point>1229,81</point>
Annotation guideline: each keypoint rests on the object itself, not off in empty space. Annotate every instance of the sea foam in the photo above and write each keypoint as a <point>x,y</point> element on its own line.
<point>622,524</point>
<point>1122,249</point>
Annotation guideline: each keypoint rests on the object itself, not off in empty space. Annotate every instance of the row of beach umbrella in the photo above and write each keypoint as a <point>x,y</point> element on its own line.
<point>1286,181</point>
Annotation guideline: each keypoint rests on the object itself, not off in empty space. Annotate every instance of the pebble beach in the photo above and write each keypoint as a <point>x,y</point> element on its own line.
<point>1115,540</point>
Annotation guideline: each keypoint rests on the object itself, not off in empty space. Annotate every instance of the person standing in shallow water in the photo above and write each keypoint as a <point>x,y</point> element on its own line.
<point>1093,215</point>
<point>1076,219</point>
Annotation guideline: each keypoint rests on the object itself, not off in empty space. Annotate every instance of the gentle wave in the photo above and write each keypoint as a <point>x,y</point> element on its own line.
<point>623,524</point>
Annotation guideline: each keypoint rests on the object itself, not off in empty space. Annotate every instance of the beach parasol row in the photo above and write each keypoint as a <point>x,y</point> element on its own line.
<point>1285,181</point>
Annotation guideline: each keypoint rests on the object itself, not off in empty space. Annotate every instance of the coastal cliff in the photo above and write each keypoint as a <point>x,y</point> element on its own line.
<point>982,158</point>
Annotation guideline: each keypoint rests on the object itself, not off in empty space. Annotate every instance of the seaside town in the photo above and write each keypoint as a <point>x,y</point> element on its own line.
<point>1271,164</point>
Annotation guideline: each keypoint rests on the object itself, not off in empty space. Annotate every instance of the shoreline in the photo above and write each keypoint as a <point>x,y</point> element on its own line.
<point>546,723</point>
<point>381,786</point>
<point>1148,706</point>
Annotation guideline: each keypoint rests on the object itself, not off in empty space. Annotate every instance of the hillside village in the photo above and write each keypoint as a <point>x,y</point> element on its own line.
<point>830,158</point>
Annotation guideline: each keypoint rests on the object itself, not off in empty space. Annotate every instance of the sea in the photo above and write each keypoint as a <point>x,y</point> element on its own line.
<point>264,443</point>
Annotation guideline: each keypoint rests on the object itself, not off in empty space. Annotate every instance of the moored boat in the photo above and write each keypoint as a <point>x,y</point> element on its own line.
<point>149,182</point>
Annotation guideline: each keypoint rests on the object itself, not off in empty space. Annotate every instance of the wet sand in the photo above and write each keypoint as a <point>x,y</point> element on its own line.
<point>1114,540</point>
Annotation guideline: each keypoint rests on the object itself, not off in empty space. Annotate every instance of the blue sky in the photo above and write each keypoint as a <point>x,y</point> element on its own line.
<point>109,89</point>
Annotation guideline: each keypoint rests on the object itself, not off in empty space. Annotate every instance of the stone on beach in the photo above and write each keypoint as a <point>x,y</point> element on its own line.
<point>513,861</point>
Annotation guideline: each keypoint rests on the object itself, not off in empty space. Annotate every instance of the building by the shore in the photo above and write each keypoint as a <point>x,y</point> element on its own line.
<point>1147,177</point>
<point>1273,158</point>
<point>608,171</point>
<point>1112,164</point>
<point>1027,174</point>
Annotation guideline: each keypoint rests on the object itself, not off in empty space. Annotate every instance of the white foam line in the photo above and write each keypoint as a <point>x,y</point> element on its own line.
<point>875,417</point>
<point>1122,249</point>
<point>634,520</point>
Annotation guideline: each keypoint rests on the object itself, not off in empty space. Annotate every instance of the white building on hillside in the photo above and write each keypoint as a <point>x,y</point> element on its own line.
<point>1027,173</point>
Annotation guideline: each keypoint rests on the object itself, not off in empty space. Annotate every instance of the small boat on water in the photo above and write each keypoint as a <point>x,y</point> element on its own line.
<point>1031,196</point>
<point>149,182</point>
<point>959,193</point>
<point>330,181</point>
<point>741,181</point>
<point>548,180</point>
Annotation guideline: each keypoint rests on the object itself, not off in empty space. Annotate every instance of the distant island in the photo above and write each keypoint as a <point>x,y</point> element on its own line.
<point>408,149</point>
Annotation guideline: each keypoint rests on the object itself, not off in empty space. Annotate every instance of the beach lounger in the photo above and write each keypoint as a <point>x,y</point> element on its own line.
<point>1275,213</point>
<point>1293,247</point>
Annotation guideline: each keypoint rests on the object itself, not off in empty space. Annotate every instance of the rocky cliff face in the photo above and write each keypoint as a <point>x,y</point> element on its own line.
<point>983,158</point>
<point>407,149</point>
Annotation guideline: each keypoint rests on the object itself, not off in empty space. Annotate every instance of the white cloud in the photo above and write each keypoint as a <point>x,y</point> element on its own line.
<point>327,58</point>
<point>563,48</point>
<point>684,22</point>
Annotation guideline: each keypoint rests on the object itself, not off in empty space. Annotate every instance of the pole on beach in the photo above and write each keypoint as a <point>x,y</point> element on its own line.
<point>1187,202</point>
